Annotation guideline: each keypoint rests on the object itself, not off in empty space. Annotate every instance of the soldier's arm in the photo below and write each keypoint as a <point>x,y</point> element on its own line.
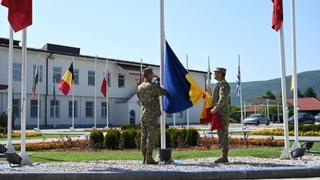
<point>223,97</point>
<point>158,90</point>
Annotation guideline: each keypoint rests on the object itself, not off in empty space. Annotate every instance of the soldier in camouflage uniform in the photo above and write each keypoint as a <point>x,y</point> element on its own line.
<point>221,105</point>
<point>148,94</point>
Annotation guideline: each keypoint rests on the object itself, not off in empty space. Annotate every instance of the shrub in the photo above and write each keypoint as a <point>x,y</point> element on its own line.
<point>127,139</point>
<point>111,140</point>
<point>138,140</point>
<point>192,137</point>
<point>177,137</point>
<point>168,139</point>
<point>96,139</point>
<point>130,126</point>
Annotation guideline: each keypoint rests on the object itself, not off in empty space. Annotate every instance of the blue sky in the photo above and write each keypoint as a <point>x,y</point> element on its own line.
<point>129,30</point>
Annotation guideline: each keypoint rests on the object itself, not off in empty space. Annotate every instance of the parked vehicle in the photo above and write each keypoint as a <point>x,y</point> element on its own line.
<point>257,119</point>
<point>317,117</point>
<point>303,118</point>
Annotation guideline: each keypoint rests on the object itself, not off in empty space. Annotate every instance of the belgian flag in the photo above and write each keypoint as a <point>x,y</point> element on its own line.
<point>66,81</point>
<point>183,91</point>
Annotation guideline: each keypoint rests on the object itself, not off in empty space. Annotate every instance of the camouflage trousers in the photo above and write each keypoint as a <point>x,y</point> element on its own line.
<point>223,135</point>
<point>148,133</point>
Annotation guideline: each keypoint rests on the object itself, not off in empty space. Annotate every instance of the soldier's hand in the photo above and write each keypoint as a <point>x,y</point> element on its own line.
<point>213,110</point>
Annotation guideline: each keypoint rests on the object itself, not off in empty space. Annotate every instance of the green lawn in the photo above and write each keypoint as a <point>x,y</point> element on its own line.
<point>266,152</point>
<point>59,156</point>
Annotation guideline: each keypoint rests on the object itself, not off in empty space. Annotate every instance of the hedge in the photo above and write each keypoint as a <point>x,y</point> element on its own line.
<point>96,139</point>
<point>111,139</point>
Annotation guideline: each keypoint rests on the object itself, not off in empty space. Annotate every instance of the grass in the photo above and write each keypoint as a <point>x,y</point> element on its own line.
<point>54,156</point>
<point>76,156</point>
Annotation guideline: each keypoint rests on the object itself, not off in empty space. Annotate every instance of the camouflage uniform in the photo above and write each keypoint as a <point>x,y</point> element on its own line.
<point>148,94</point>
<point>221,104</point>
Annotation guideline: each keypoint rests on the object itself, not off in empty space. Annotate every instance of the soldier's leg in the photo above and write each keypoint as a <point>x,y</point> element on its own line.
<point>224,142</point>
<point>143,140</point>
<point>151,141</point>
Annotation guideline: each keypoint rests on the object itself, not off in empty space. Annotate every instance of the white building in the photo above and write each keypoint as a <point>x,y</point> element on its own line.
<point>53,61</point>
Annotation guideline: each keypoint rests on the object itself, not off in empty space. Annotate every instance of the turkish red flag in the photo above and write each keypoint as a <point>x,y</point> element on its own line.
<point>104,87</point>
<point>20,13</point>
<point>277,14</point>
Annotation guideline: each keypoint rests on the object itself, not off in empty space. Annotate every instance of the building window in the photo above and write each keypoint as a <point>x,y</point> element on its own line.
<point>56,108</point>
<point>169,115</point>
<point>16,107</point>
<point>56,74</point>
<point>75,109</point>
<point>89,109</point>
<point>33,108</point>
<point>91,78</point>
<point>40,72</point>
<point>76,76</point>
<point>121,81</point>
<point>180,114</point>
<point>103,109</point>
<point>17,71</point>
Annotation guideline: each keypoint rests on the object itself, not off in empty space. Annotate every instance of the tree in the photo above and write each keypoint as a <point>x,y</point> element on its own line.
<point>268,95</point>
<point>310,93</point>
<point>300,95</point>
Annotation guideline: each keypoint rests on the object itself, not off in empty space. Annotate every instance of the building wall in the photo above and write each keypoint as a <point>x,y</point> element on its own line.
<point>119,104</point>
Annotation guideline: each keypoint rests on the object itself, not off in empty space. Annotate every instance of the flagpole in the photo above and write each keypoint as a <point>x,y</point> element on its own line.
<point>141,70</point>
<point>209,76</point>
<point>240,90</point>
<point>187,111</point>
<point>285,152</point>
<point>95,92</point>
<point>54,104</point>
<point>72,125</point>
<point>107,92</point>
<point>10,148</point>
<point>296,143</point>
<point>38,107</point>
<point>162,50</point>
<point>25,157</point>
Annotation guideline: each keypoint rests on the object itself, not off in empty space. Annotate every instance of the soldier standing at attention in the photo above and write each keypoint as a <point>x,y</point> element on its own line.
<point>148,94</point>
<point>221,106</point>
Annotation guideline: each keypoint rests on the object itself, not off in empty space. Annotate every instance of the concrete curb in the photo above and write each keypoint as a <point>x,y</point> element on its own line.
<point>296,172</point>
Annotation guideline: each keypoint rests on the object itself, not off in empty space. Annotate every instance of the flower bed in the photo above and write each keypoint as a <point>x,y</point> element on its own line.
<point>280,132</point>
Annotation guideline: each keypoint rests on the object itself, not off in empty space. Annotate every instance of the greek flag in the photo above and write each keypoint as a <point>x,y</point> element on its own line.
<point>238,82</point>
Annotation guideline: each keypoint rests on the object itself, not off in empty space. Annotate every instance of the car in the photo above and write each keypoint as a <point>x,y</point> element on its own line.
<point>303,118</point>
<point>317,117</point>
<point>257,119</point>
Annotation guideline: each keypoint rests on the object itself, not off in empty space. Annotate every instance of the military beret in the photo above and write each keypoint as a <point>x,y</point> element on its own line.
<point>220,69</point>
<point>147,71</point>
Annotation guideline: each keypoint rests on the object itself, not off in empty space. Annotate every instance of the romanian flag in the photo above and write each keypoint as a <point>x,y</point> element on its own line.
<point>20,13</point>
<point>66,81</point>
<point>183,91</point>
<point>206,107</point>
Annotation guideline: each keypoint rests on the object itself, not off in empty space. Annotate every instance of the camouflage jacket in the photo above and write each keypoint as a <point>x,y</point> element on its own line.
<point>148,94</point>
<point>221,97</point>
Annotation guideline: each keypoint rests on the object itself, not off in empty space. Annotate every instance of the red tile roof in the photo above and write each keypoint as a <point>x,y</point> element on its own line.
<point>307,104</point>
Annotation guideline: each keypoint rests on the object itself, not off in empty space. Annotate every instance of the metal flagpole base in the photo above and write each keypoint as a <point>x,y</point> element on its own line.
<point>295,145</point>
<point>25,159</point>
<point>164,156</point>
<point>71,128</point>
<point>285,153</point>
<point>36,129</point>
<point>10,148</point>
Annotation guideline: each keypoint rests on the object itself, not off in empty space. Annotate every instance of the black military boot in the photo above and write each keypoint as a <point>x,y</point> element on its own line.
<point>224,158</point>
<point>149,159</point>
